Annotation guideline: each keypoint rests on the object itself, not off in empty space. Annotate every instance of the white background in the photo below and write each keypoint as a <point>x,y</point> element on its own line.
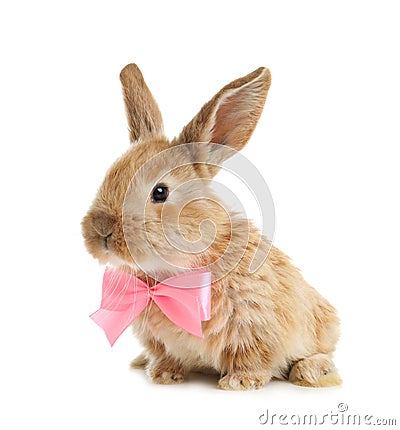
<point>327,145</point>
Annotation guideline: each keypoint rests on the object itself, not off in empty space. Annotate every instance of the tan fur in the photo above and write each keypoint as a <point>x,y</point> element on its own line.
<point>266,324</point>
<point>144,117</point>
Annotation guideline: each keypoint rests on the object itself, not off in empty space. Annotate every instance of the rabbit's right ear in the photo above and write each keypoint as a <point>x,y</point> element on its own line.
<point>144,116</point>
<point>229,118</point>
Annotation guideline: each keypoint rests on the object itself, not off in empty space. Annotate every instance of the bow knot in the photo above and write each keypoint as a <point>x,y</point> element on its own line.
<point>185,299</point>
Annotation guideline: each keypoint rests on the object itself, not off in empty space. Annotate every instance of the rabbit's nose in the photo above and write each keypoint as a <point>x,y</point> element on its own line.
<point>104,224</point>
<point>106,240</point>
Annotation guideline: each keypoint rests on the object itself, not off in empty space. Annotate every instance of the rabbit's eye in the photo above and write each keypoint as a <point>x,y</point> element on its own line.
<point>160,193</point>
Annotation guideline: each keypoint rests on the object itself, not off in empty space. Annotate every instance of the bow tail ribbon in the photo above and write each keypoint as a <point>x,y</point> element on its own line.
<point>115,321</point>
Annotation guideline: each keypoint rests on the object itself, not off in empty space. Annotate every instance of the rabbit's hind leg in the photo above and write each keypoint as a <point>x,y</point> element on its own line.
<point>317,370</point>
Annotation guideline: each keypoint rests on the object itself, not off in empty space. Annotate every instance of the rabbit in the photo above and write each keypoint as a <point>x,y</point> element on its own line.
<point>265,324</point>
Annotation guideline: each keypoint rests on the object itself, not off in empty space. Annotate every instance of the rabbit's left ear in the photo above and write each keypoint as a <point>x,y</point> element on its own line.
<point>231,116</point>
<point>144,116</point>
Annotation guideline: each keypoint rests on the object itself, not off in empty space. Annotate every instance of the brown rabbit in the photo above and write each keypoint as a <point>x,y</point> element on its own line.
<point>264,324</point>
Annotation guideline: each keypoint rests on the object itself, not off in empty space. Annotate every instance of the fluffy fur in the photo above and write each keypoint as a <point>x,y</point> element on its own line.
<point>266,324</point>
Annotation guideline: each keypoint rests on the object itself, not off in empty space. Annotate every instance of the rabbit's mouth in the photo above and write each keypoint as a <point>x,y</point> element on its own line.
<point>115,260</point>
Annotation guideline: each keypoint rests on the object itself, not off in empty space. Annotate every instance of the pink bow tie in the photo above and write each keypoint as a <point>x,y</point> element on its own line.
<point>185,299</point>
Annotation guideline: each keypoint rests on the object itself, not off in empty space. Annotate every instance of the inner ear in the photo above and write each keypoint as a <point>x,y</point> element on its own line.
<point>232,112</point>
<point>239,109</point>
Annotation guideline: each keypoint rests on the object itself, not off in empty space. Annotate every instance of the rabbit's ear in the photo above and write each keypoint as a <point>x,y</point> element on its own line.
<point>144,116</point>
<point>231,116</point>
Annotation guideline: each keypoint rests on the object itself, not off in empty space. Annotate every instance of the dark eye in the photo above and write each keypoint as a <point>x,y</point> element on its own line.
<point>160,193</point>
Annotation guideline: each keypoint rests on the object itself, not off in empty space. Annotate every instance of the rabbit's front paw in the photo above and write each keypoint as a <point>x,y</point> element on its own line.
<point>166,376</point>
<point>139,362</point>
<point>241,381</point>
